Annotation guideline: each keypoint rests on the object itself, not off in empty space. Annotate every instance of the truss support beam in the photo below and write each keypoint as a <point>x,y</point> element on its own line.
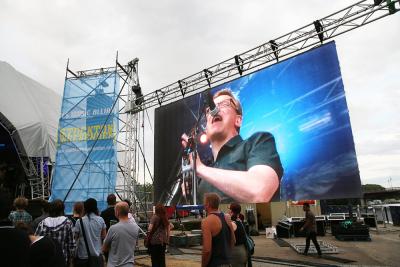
<point>290,44</point>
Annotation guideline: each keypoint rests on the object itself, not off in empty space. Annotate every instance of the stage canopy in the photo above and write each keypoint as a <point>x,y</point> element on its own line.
<point>31,109</point>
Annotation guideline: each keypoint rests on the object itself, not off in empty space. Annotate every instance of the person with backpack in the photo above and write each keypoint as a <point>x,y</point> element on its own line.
<point>239,251</point>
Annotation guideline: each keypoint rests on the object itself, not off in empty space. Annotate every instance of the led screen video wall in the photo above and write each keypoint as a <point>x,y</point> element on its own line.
<point>297,107</point>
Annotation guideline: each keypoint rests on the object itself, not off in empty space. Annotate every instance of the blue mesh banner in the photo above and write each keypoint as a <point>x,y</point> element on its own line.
<point>86,159</point>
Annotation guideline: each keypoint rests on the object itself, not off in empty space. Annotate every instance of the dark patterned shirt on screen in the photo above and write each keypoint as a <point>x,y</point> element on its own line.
<point>240,155</point>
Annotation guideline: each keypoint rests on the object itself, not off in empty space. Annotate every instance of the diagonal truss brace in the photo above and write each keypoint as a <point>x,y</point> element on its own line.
<point>285,46</point>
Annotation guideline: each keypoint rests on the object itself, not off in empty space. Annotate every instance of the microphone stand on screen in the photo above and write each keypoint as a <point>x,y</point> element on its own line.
<point>189,182</point>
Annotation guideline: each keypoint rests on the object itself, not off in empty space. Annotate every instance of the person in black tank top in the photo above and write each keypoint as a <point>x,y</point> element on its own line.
<point>218,239</point>
<point>221,248</point>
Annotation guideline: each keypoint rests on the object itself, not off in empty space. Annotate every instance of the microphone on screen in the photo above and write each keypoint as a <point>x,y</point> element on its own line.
<point>211,105</point>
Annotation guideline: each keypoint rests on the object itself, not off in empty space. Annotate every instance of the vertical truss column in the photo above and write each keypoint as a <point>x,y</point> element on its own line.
<point>130,132</point>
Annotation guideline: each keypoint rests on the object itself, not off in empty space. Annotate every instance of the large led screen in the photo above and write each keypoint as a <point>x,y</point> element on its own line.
<point>295,140</point>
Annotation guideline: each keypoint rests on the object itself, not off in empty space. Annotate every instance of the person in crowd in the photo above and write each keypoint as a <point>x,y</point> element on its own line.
<point>108,214</point>
<point>44,204</point>
<point>20,214</point>
<point>121,239</point>
<point>310,227</point>
<point>131,214</point>
<point>243,170</point>
<point>77,212</point>
<point>239,251</point>
<point>14,243</point>
<point>218,234</point>
<point>94,229</point>
<point>59,228</point>
<point>159,229</point>
<point>43,251</point>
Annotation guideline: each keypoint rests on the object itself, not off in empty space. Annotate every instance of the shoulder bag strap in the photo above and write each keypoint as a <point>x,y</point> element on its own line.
<point>84,236</point>
<point>244,229</point>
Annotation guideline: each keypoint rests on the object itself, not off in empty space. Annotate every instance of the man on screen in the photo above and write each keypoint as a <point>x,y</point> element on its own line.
<point>243,170</point>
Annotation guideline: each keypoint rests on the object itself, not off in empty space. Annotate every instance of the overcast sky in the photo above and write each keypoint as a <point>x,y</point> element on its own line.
<point>174,39</point>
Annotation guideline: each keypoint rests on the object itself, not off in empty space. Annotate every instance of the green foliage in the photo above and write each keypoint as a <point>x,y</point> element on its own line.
<point>144,192</point>
<point>372,187</point>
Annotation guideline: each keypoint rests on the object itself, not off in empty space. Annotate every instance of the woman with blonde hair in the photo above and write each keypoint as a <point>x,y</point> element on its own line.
<point>77,212</point>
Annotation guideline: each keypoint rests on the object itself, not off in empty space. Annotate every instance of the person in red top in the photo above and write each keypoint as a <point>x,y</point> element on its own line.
<point>159,229</point>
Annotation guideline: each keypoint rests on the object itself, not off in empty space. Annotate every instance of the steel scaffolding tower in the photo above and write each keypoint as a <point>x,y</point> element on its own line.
<point>127,138</point>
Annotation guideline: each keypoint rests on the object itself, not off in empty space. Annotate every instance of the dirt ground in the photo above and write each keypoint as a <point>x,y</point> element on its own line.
<point>382,250</point>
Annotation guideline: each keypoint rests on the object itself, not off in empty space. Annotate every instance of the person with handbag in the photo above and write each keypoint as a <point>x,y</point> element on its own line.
<point>239,251</point>
<point>158,237</point>
<point>89,231</point>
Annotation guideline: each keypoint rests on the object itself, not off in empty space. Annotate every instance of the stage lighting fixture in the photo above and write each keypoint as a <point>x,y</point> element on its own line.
<point>319,28</point>
<point>183,90</point>
<point>239,64</point>
<point>160,96</point>
<point>139,99</point>
<point>274,47</point>
<point>208,73</point>
<point>203,138</point>
<point>132,63</point>
<point>137,90</point>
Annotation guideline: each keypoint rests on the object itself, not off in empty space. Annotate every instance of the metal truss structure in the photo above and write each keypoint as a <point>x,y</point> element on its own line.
<point>129,134</point>
<point>34,167</point>
<point>285,46</point>
<point>133,102</point>
<point>39,179</point>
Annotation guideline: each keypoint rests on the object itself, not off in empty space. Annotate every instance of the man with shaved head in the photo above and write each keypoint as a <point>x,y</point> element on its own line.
<point>121,238</point>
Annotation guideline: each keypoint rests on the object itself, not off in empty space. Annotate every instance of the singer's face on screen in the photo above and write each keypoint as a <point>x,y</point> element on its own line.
<point>226,122</point>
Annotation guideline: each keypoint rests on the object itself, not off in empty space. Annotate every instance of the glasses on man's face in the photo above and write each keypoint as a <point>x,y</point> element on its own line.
<point>227,103</point>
